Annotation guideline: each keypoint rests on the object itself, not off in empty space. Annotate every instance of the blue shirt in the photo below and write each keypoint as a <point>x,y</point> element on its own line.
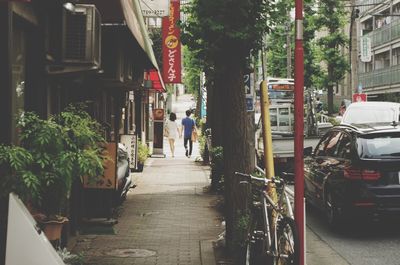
<point>188,124</point>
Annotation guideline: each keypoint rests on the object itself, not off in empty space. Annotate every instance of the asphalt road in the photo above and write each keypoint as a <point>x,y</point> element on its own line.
<point>363,243</point>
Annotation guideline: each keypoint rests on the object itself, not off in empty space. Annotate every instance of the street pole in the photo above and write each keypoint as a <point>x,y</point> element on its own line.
<point>299,129</point>
<point>288,48</point>
<point>353,50</point>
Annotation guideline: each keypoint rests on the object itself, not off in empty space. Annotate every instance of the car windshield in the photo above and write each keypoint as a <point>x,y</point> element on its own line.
<point>379,146</point>
<point>369,115</point>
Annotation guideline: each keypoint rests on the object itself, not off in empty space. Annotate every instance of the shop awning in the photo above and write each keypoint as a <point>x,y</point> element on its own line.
<point>129,12</point>
<point>157,82</point>
<point>134,20</point>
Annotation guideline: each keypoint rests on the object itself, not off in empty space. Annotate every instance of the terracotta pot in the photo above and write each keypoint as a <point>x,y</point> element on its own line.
<point>52,228</point>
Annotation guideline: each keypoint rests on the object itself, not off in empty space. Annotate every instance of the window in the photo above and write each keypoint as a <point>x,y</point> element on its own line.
<point>379,146</point>
<point>396,56</point>
<point>382,60</point>
<point>367,26</point>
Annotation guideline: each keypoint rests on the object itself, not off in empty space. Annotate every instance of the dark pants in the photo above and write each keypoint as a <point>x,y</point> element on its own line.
<point>185,141</point>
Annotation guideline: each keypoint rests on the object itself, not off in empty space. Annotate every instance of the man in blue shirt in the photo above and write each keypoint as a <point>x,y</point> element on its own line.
<point>188,125</point>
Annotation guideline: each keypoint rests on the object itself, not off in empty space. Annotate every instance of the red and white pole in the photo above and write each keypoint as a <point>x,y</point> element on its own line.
<point>299,129</point>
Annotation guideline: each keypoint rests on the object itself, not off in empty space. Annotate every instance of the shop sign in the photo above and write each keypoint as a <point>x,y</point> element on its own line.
<point>171,45</point>
<point>154,8</point>
<point>365,45</point>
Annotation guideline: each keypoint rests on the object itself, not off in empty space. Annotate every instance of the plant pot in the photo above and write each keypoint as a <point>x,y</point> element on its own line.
<point>52,228</point>
<point>140,167</point>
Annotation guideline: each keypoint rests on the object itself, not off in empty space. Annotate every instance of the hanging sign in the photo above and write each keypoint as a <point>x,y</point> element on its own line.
<point>171,45</point>
<point>365,45</point>
<point>154,8</point>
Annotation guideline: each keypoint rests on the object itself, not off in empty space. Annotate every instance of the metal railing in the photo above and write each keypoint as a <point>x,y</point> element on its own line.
<point>381,77</point>
<point>384,34</point>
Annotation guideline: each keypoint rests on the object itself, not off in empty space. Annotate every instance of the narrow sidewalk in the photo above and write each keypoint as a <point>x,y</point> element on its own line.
<point>168,218</point>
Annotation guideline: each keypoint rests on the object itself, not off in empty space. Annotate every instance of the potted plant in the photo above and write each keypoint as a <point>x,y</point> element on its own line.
<point>143,153</point>
<point>53,153</point>
<point>70,258</point>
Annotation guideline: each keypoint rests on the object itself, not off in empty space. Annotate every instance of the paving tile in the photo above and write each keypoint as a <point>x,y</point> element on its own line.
<point>168,213</point>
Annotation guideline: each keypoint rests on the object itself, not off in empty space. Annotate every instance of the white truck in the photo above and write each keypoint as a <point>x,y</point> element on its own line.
<point>281,95</point>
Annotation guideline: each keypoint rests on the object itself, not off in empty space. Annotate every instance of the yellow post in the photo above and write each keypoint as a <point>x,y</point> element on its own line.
<point>267,138</point>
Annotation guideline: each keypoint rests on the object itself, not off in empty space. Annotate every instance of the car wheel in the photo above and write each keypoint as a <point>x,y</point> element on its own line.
<point>333,215</point>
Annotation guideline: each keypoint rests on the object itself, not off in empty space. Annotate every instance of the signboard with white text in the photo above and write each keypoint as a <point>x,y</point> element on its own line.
<point>26,243</point>
<point>154,8</point>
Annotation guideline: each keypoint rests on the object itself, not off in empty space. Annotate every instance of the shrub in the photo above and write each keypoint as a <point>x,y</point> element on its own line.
<point>217,168</point>
<point>143,152</point>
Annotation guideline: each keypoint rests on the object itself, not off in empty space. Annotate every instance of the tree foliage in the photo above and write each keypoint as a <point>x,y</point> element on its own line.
<point>277,40</point>
<point>155,35</point>
<point>312,68</point>
<point>214,24</point>
<point>331,19</point>
<point>277,52</point>
<point>193,67</point>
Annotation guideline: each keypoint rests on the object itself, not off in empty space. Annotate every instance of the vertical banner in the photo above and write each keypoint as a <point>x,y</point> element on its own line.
<point>171,45</point>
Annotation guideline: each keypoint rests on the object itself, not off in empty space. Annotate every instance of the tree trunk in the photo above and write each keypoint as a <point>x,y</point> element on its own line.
<point>218,109</point>
<point>236,149</point>
<point>330,99</point>
<point>330,90</point>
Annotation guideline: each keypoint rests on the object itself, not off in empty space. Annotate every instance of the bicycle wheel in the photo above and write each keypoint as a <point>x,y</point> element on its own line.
<point>287,242</point>
<point>255,245</point>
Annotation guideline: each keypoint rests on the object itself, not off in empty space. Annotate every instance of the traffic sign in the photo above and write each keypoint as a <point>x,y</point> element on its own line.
<point>359,97</point>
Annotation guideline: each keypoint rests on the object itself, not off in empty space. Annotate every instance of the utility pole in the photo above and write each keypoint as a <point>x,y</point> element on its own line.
<point>299,213</point>
<point>353,49</point>
<point>288,47</point>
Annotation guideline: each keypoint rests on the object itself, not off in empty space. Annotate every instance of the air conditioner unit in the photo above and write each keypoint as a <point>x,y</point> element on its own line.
<point>81,35</point>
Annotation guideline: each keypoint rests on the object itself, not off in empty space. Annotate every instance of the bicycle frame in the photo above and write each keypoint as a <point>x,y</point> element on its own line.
<point>266,204</point>
<point>278,208</point>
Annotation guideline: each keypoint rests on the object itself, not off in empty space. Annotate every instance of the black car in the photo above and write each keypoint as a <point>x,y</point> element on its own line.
<point>355,170</point>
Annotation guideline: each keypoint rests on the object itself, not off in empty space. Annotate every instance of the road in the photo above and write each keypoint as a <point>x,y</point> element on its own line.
<point>365,243</point>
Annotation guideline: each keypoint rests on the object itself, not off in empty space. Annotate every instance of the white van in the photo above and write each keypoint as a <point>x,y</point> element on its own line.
<point>371,112</point>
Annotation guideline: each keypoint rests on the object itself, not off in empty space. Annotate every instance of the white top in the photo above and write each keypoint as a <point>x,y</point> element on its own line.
<point>172,129</point>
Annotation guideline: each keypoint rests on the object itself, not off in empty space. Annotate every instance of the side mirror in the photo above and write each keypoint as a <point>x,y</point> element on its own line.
<point>307,151</point>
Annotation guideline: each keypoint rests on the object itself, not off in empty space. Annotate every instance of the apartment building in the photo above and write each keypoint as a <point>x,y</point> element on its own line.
<point>379,49</point>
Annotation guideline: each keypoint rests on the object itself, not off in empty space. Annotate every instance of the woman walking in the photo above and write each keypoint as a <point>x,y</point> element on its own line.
<point>172,132</point>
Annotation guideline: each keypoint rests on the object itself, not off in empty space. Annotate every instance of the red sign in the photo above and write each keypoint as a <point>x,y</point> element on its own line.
<point>171,47</point>
<point>359,97</point>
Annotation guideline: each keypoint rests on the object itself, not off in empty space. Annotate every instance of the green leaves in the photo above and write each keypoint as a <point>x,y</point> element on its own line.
<point>53,153</point>
<point>143,152</point>
<point>214,25</point>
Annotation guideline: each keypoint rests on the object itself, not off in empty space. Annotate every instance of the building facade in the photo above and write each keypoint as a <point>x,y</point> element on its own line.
<point>379,49</point>
<point>56,52</point>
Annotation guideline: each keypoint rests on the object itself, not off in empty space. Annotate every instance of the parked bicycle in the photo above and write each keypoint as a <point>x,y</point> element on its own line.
<point>272,232</point>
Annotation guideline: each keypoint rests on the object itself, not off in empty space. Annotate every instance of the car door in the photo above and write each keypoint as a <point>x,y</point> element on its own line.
<point>318,168</point>
<point>343,158</point>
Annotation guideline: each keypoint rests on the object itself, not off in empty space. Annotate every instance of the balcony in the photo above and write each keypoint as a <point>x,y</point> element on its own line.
<point>382,77</point>
<point>384,34</point>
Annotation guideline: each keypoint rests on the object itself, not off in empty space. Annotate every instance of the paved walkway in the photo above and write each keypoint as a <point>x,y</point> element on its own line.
<point>168,218</point>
